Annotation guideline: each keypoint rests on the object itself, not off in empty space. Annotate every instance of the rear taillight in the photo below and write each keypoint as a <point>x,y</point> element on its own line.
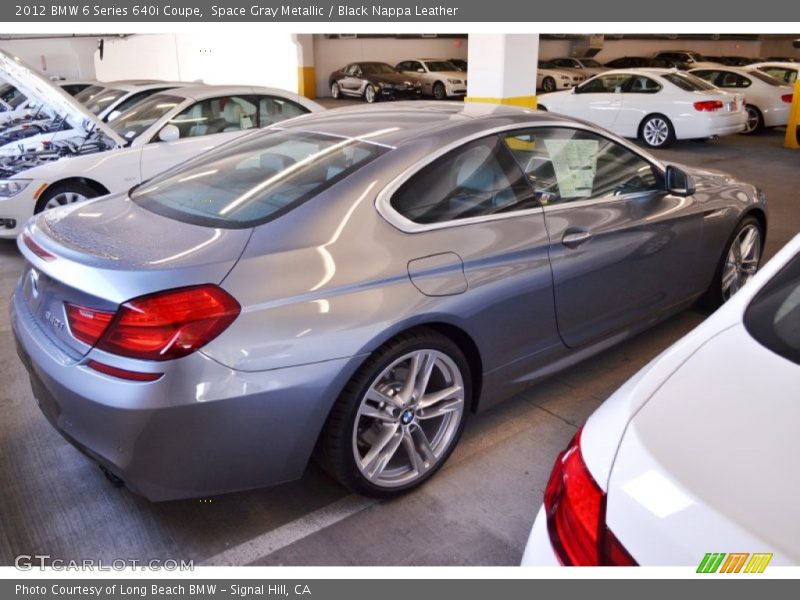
<point>575,507</point>
<point>36,248</point>
<point>787,98</point>
<point>708,105</point>
<point>161,326</point>
<point>123,373</point>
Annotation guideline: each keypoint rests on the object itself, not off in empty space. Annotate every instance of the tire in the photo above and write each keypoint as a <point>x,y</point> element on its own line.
<point>731,275</point>
<point>541,107</point>
<point>336,92</point>
<point>656,131</point>
<point>439,93</point>
<point>370,95</point>
<point>62,194</point>
<point>378,439</point>
<point>755,120</point>
<point>548,84</point>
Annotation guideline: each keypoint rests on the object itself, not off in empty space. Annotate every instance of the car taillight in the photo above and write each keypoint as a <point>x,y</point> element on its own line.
<point>36,248</point>
<point>161,326</point>
<point>787,98</point>
<point>708,105</point>
<point>575,507</point>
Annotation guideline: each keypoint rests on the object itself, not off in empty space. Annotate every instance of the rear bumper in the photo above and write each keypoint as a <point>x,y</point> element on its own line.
<point>202,429</point>
<point>538,551</point>
<point>712,125</point>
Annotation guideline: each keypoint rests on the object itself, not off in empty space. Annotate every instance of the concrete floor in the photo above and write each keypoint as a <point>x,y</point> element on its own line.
<point>477,511</point>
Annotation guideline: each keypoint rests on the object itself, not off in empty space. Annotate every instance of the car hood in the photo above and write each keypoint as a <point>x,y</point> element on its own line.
<point>727,415</point>
<point>39,89</point>
<point>389,78</point>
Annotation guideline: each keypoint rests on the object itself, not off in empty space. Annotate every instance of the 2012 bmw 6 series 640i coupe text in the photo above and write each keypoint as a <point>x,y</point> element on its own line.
<point>357,283</point>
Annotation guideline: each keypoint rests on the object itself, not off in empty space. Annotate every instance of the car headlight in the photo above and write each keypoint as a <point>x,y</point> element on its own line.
<point>453,81</point>
<point>12,187</point>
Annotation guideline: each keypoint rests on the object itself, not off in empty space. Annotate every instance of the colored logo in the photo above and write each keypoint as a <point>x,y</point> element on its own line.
<point>735,562</point>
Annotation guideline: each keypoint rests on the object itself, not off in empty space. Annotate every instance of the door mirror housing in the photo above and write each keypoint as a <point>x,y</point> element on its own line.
<point>169,133</point>
<point>679,182</point>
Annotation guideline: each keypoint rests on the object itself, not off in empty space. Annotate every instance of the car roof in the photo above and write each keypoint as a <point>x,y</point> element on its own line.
<point>400,122</point>
<point>776,63</point>
<point>130,85</point>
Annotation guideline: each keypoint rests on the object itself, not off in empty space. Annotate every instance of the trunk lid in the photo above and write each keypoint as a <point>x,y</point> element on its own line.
<point>110,250</point>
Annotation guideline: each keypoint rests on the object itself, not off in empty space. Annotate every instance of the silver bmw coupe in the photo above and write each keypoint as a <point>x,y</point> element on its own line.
<point>352,285</point>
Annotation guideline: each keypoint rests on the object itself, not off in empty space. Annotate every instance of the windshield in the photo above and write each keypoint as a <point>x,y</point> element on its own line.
<point>689,83</point>
<point>546,64</point>
<point>590,62</point>
<point>255,179</point>
<point>765,78</point>
<point>99,102</point>
<point>88,93</point>
<point>773,317</point>
<point>17,101</point>
<point>130,124</point>
<point>695,56</point>
<point>440,65</point>
<point>377,68</point>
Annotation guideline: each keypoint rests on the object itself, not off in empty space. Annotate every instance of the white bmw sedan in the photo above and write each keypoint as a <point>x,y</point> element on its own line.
<point>767,99</point>
<point>657,106</point>
<point>697,453</point>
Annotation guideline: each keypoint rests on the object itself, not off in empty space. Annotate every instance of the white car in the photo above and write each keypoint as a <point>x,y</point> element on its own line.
<point>657,106</point>
<point>439,78</point>
<point>696,455</point>
<point>767,99</point>
<point>784,71</point>
<point>584,66</point>
<point>114,97</point>
<point>550,78</point>
<point>100,158</point>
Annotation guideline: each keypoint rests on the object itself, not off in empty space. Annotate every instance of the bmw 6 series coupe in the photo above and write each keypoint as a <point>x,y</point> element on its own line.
<point>352,285</point>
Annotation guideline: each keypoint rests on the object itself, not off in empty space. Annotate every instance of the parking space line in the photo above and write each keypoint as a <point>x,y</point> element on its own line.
<point>294,531</point>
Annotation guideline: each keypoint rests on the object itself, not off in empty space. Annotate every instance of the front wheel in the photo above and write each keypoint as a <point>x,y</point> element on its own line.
<point>439,93</point>
<point>62,194</point>
<point>548,84</point>
<point>656,131</point>
<point>335,91</point>
<point>400,417</point>
<point>738,263</point>
<point>369,94</point>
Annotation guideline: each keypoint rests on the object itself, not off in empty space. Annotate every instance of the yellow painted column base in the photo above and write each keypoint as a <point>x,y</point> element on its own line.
<point>794,119</point>
<point>522,101</point>
<point>306,82</point>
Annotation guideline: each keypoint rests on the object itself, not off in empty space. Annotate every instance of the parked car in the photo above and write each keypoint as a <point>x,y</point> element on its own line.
<point>72,86</point>
<point>438,78</point>
<point>585,66</point>
<point>549,78</point>
<point>153,135</point>
<point>355,281</point>
<point>781,59</point>
<point>690,60</point>
<point>680,462</point>
<point>373,81</point>
<point>460,63</point>
<point>644,62</point>
<point>733,61</point>
<point>656,106</point>
<point>783,71</point>
<point>767,99</point>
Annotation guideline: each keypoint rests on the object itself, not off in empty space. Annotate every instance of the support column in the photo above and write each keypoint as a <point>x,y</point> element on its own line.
<point>502,69</point>
<point>306,77</point>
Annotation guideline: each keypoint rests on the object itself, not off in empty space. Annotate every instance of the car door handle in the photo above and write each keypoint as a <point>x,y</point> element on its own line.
<point>573,239</point>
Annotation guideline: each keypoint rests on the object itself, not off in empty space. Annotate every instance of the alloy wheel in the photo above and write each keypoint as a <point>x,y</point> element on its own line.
<point>753,120</point>
<point>655,132</point>
<point>335,91</point>
<point>369,94</point>
<point>63,199</point>
<point>741,262</point>
<point>439,92</point>
<point>408,418</point>
<point>549,84</point>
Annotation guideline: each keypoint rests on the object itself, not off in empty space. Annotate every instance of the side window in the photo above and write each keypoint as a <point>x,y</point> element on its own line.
<point>605,84</point>
<point>643,85</point>
<point>271,110</point>
<point>732,80</point>
<point>352,69</point>
<point>216,115</point>
<point>561,62</point>
<point>480,178</point>
<point>565,165</point>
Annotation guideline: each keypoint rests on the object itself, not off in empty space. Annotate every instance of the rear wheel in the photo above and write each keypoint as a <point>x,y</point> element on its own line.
<point>62,194</point>
<point>439,93</point>
<point>548,84</point>
<point>400,416</point>
<point>738,263</point>
<point>755,120</point>
<point>656,131</point>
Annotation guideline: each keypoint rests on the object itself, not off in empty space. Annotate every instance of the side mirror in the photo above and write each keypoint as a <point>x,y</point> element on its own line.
<point>169,133</point>
<point>679,182</point>
<point>420,70</point>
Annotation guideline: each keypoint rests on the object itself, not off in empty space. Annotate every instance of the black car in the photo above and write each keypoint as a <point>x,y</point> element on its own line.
<point>644,62</point>
<point>372,81</point>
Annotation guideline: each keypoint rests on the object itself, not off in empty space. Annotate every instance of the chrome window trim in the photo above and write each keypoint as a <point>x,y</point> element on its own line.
<point>383,199</point>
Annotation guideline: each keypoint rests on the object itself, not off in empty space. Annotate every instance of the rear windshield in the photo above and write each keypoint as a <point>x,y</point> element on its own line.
<point>254,179</point>
<point>773,317</point>
<point>687,82</point>
<point>765,78</point>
